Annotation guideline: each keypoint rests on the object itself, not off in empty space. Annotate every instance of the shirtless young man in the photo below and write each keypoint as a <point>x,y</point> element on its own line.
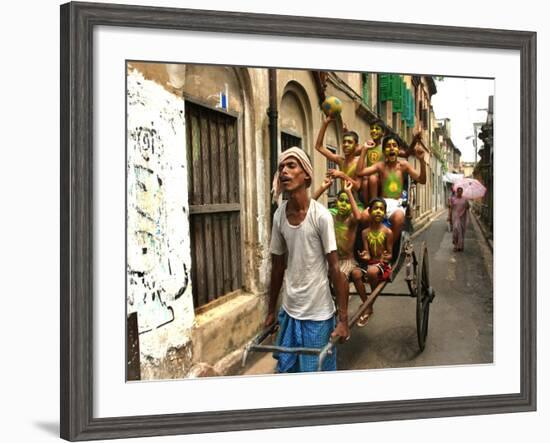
<point>374,154</point>
<point>347,162</point>
<point>391,172</point>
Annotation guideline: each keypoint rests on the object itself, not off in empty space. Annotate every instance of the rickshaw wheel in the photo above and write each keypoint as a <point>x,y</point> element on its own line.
<point>423,296</point>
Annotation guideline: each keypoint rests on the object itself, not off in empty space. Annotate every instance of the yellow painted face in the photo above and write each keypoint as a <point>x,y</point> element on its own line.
<point>391,150</point>
<point>343,205</point>
<point>376,132</point>
<point>377,211</point>
<point>348,145</point>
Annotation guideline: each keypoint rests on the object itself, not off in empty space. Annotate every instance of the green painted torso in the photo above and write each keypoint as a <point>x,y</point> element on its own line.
<point>344,231</point>
<point>377,243</point>
<point>350,169</point>
<point>392,185</point>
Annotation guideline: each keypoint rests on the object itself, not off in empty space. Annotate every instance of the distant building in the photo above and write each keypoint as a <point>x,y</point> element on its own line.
<point>483,170</point>
<point>468,169</point>
<point>448,152</point>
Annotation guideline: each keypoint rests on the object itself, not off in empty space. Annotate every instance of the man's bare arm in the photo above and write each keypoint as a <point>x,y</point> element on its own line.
<point>277,274</point>
<point>338,283</point>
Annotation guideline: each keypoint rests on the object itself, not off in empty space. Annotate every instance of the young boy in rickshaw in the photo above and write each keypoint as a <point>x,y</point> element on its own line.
<point>374,154</point>
<point>391,172</point>
<point>347,217</point>
<point>348,162</point>
<point>378,244</point>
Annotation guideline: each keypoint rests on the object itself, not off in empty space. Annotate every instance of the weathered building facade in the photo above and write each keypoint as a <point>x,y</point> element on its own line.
<point>448,153</point>
<point>483,171</point>
<point>202,142</point>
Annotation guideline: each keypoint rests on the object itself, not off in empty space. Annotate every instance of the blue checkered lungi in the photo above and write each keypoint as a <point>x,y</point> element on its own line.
<point>295,333</point>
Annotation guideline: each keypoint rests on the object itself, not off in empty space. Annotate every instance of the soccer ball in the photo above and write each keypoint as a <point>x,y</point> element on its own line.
<point>332,106</point>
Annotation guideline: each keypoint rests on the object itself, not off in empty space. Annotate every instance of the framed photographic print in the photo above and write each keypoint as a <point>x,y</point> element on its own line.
<point>189,140</point>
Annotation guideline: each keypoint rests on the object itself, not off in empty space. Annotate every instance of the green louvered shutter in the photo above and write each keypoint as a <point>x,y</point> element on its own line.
<point>397,93</point>
<point>384,83</point>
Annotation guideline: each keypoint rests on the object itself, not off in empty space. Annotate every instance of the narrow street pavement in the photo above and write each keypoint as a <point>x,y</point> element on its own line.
<point>461,315</point>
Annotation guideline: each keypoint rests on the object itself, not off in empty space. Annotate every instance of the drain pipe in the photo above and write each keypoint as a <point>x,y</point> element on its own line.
<point>273,130</point>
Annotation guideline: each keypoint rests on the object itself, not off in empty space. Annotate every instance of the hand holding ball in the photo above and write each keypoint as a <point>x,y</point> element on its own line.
<point>332,106</point>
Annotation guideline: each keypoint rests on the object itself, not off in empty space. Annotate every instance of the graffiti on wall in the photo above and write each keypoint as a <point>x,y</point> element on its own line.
<point>158,249</point>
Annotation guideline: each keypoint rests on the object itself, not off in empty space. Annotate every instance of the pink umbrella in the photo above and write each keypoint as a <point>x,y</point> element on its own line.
<point>471,188</point>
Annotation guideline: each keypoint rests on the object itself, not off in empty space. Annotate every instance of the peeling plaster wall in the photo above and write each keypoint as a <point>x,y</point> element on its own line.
<point>158,249</point>
<point>259,123</point>
<point>331,136</point>
<point>246,90</point>
<point>292,118</point>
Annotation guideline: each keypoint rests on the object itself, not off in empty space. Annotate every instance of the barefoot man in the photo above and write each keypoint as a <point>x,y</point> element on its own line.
<point>303,231</point>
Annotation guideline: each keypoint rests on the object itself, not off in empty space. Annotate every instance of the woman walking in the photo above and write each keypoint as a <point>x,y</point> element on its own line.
<point>458,218</point>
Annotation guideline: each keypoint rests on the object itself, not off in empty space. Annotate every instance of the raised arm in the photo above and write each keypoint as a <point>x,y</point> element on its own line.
<point>409,150</point>
<point>323,188</point>
<point>319,144</point>
<point>419,177</point>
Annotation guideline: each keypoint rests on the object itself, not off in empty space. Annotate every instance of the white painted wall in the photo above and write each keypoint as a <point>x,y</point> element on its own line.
<point>158,241</point>
<point>30,269</point>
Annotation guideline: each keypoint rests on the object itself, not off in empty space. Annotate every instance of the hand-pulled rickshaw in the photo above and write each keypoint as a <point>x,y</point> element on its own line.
<point>417,279</point>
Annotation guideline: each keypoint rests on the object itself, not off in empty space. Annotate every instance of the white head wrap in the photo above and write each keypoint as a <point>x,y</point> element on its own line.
<point>304,161</point>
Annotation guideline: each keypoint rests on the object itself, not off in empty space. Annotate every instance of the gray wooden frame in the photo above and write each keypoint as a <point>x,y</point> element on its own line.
<point>77,23</point>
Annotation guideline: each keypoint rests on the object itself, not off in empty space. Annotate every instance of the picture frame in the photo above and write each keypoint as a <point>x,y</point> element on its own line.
<point>77,219</point>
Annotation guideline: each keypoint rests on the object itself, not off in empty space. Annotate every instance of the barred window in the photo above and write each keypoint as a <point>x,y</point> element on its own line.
<point>332,192</point>
<point>289,140</point>
<point>214,203</point>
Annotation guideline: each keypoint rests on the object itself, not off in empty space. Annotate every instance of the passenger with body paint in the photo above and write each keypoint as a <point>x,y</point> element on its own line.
<point>378,244</point>
<point>347,216</point>
<point>347,162</point>
<point>304,259</point>
<point>370,185</point>
<point>391,173</point>
<point>374,154</point>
